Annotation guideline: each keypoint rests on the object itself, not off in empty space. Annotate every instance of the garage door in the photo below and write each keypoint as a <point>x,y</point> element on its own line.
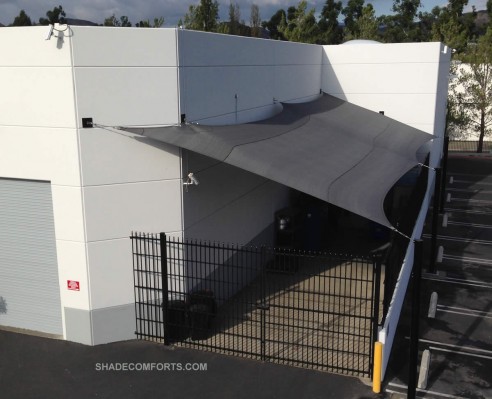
<point>29,287</point>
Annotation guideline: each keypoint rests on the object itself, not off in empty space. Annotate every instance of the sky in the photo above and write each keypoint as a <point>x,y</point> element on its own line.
<point>172,10</point>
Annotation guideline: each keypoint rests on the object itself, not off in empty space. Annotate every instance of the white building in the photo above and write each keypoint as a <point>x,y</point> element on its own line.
<point>70,197</point>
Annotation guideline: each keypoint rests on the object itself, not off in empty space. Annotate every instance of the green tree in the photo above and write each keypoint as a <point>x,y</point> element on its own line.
<point>402,26</point>
<point>451,27</point>
<point>191,19</point>
<point>158,22</point>
<point>125,22</point>
<point>57,15</point>
<point>255,21</point>
<point>471,90</point>
<point>352,11</point>
<point>366,26</point>
<point>113,21</point>
<point>234,19</point>
<point>203,16</point>
<point>489,12</point>
<point>427,20</point>
<point>300,26</point>
<point>22,19</point>
<point>450,31</point>
<point>457,120</point>
<point>330,30</point>
<point>273,24</point>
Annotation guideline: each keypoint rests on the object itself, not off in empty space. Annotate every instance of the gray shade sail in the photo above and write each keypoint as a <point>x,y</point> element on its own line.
<point>328,148</point>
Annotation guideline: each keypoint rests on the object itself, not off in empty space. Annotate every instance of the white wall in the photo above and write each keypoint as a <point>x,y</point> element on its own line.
<point>104,183</point>
<point>215,68</point>
<point>440,106</point>
<point>39,139</point>
<point>125,77</point>
<point>400,79</point>
<point>230,204</point>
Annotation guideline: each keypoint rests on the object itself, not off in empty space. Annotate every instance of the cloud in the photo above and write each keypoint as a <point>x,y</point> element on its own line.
<point>171,10</point>
<point>479,5</point>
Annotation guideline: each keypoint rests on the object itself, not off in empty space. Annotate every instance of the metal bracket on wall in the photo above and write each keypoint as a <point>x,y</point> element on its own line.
<point>87,123</point>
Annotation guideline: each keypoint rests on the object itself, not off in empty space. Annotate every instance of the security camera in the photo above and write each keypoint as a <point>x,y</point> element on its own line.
<point>193,179</point>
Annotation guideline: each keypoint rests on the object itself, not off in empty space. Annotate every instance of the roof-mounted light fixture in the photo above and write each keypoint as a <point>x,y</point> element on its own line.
<point>50,33</point>
<point>54,28</point>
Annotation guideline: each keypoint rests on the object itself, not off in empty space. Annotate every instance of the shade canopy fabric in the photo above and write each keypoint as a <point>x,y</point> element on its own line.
<point>328,148</point>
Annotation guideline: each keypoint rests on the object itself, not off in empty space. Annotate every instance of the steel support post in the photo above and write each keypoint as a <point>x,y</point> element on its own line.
<point>414,328</point>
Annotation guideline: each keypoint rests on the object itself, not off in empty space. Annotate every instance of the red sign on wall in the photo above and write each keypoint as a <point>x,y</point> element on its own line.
<point>73,285</point>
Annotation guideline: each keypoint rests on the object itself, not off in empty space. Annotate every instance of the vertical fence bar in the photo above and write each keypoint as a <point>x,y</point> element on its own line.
<point>414,330</point>
<point>375,311</point>
<point>263,304</point>
<point>148,287</point>
<point>154,297</point>
<point>444,172</point>
<point>135,283</point>
<point>165,298</point>
<point>435,221</point>
<point>141,289</point>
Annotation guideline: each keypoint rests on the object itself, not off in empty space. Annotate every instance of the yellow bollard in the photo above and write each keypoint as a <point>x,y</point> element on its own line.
<point>376,375</point>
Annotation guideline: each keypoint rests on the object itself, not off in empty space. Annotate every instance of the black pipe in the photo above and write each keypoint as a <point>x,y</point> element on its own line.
<point>376,296</point>
<point>414,327</point>
<point>165,289</point>
<point>435,221</point>
<point>444,172</point>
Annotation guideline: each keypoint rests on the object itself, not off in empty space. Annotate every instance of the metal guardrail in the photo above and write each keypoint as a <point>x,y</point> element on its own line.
<point>468,146</point>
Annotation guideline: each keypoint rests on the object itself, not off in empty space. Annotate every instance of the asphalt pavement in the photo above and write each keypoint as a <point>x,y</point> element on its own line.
<point>35,367</point>
<point>457,329</point>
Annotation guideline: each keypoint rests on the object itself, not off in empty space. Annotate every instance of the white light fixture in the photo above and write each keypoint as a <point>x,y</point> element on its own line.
<point>52,27</point>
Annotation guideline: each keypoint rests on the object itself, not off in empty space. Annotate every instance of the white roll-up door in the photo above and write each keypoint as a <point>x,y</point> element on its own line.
<point>29,286</point>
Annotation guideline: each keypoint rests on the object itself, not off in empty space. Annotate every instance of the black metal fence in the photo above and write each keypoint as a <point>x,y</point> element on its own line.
<point>317,311</point>
<point>468,146</point>
<point>404,219</point>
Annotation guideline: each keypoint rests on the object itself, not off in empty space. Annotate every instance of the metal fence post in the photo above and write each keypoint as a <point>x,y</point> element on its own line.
<point>375,309</point>
<point>389,274</point>
<point>435,221</point>
<point>414,329</point>
<point>264,305</point>
<point>377,288</point>
<point>136,281</point>
<point>165,289</point>
<point>444,172</point>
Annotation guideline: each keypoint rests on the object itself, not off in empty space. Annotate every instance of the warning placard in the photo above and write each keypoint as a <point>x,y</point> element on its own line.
<point>73,285</point>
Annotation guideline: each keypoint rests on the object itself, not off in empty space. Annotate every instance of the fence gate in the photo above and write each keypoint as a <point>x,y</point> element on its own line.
<point>316,311</point>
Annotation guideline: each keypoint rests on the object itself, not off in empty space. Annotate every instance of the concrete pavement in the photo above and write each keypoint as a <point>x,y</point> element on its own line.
<point>459,335</point>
